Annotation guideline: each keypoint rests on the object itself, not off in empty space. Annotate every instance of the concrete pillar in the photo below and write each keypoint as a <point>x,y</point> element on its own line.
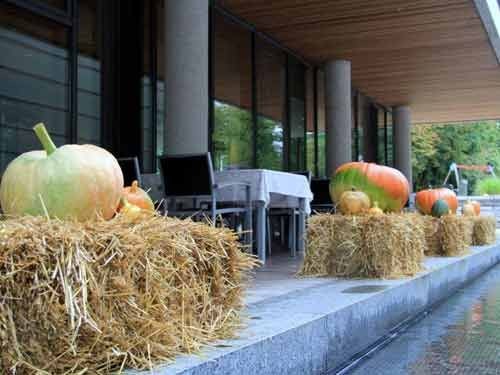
<point>401,118</point>
<point>186,76</point>
<point>338,114</point>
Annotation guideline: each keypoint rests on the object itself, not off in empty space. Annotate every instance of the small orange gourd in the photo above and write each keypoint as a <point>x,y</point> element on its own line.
<point>138,197</point>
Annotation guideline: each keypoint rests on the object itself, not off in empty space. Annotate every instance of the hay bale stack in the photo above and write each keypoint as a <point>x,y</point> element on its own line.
<point>109,295</point>
<point>453,235</point>
<point>484,230</point>
<point>432,234</point>
<point>378,246</point>
<point>393,246</point>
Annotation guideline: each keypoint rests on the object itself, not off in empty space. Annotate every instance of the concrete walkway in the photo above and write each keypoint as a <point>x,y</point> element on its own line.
<point>311,326</point>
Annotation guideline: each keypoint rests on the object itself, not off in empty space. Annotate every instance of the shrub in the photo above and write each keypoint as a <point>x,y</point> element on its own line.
<point>490,186</point>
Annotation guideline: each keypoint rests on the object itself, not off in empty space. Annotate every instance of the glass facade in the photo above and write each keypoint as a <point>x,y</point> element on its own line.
<point>89,74</point>
<point>270,72</point>
<point>297,115</point>
<point>381,136</point>
<point>35,85</point>
<point>268,106</point>
<point>390,140</point>
<point>232,138</point>
<point>152,84</point>
<point>259,100</point>
<point>321,128</point>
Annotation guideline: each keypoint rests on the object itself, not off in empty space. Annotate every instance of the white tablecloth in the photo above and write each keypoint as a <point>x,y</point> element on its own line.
<point>273,188</point>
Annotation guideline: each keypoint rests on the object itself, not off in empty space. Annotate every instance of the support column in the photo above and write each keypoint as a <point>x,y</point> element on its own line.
<point>401,117</point>
<point>186,76</point>
<point>338,114</point>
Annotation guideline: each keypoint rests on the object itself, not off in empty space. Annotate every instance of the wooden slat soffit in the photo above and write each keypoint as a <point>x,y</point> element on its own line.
<point>434,55</point>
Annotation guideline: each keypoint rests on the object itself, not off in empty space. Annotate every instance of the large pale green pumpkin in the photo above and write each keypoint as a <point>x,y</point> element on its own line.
<point>70,182</point>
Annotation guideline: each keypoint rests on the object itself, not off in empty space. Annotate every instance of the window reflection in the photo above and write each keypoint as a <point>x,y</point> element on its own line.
<point>89,74</point>
<point>381,159</point>
<point>232,138</point>
<point>321,125</point>
<point>390,140</point>
<point>152,144</point>
<point>34,80</point>
<point>297,114</point>
<point>59,4</point>
<point>310,134</point>
<point>271,70</point>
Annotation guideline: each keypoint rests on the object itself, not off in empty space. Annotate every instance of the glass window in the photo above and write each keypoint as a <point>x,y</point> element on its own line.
<point>381,137</point>
<point>147,91</point>
<point>89,74</point>
<point>160,84</point>
<point>59,4</point>
<point>310,133</point>
<point>321,125</point>
<point>152,93</point>
<point>355,127</point>
<point>34,76</point>
<point>270,86</point>
<point>390,140</point>
<point>232,139</point>
<point>297,114</point>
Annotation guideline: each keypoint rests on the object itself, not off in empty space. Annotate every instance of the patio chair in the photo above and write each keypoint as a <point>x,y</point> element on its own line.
<point>322,201</point>
<point>131,170</point>
<point>190,190</point>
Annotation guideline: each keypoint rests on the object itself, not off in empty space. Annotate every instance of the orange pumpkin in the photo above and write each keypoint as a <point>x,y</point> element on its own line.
<point>138,197</point>
<point>425,199</point>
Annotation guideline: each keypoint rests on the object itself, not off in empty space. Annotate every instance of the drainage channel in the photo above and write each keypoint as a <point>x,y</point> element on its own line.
<point>460,334</point>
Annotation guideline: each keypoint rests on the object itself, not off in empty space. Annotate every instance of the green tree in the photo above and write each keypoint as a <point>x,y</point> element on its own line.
<point>435,147</point>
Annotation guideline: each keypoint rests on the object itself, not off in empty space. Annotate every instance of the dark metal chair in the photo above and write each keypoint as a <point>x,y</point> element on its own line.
<point>322,201</point>
<point>131,170</point>
<point>190,190</point>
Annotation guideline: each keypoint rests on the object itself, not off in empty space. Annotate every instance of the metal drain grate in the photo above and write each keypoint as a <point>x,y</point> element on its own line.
<point>365,289</point>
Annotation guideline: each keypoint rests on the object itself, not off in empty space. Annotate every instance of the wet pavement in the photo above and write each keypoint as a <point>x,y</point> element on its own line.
<point>460,336</point>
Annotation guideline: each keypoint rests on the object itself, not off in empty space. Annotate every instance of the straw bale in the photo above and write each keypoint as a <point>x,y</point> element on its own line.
<point>469,222</point>
<point>484,230</point>
<point>320,237</point>
<point>372,246</point>
<point>393,246</point>
<point>108,295</point>
<point>453,235</point>
<point>432,233</point>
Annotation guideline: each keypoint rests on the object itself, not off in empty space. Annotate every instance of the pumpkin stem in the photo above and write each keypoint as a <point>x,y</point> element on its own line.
<point>135,186</point>
<point>44,138</point>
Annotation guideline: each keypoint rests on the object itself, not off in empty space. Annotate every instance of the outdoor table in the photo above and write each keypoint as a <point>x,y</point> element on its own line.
<point>269,189</point>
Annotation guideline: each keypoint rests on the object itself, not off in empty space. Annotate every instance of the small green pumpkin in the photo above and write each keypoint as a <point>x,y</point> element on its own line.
<point>440,208</point>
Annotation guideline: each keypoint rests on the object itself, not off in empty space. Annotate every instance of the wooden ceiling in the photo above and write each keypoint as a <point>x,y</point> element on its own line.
<point>433,55</point>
